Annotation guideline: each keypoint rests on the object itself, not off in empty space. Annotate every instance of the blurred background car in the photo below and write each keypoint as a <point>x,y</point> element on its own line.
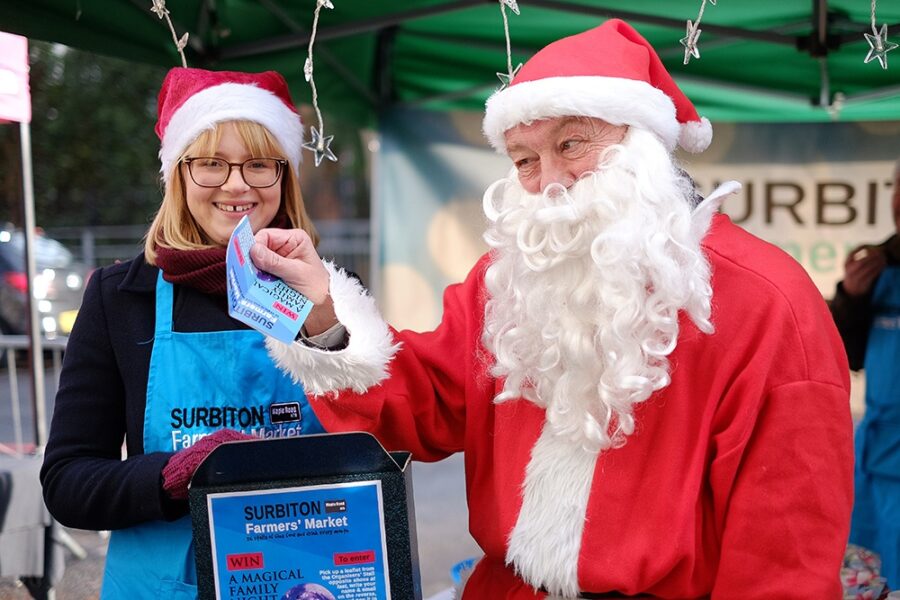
<point>58,285</point>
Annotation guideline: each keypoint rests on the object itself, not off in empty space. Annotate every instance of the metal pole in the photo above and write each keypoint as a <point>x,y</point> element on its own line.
<point>376,220</point>
<point>88,253</point>
<point>39,407</point>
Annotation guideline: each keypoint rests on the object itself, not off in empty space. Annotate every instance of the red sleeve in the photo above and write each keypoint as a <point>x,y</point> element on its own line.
<point>421,406</point>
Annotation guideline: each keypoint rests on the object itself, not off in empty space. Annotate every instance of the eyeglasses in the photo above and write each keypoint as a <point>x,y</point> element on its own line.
<point>210,172</point>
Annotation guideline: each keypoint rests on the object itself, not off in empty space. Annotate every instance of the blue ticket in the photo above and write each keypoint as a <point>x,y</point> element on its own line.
<point>257,298</point>
<point>325,542</point>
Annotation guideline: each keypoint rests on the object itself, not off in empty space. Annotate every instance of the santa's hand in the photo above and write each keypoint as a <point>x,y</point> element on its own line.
<point>289,254</point>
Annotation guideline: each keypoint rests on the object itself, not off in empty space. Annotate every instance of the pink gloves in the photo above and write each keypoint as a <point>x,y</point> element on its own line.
<point>178,471</point>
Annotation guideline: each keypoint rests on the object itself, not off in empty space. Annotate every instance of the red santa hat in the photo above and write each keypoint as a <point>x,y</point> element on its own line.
<point>194,100</point>
<point>609,72</point>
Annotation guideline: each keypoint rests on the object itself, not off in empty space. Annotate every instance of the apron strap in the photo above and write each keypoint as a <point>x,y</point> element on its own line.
<point>164,295</point>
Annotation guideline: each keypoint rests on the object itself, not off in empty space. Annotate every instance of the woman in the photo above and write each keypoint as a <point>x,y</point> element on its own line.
<point>154,358</point>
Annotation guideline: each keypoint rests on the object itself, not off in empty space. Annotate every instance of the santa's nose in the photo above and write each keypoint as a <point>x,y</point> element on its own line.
<point>558,171</point>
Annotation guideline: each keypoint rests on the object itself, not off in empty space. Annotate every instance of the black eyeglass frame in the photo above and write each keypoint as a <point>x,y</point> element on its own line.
<point>280,162</point>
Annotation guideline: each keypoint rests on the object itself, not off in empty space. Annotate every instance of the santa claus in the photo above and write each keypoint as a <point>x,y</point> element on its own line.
<point>652,402</point>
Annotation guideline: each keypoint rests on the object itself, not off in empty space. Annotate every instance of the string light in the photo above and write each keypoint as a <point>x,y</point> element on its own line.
<point>319,144</point>
<point>159,7</point>
<point>506,78</point>
<point>879,45</point>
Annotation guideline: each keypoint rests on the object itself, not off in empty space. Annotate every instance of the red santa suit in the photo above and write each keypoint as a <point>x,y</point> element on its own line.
<point>735,485</point>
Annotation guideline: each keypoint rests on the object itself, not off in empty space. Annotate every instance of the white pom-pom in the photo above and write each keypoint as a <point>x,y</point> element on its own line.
<point>695,136</point>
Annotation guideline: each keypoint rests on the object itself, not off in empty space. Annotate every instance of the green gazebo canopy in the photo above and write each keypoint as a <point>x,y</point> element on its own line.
<point>765,60</point>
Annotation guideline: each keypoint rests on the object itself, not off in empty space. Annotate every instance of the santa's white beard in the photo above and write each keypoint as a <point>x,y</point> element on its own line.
<point>586,285</point>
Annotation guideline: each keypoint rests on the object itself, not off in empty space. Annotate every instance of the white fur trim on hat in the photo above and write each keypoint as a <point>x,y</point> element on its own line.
<point>696,136</point>
<point>231,102</point>
<point>616,100</point>
<point>359,366</point>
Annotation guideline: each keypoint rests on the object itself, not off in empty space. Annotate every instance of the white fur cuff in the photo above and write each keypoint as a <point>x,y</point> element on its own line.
<point>359,366</point>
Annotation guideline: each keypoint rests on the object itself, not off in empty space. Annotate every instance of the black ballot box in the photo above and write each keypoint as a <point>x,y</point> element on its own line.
<point>316,517</point>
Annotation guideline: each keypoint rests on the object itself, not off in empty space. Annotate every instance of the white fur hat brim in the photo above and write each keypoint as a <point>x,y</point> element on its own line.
<point>231,102</point>
<point>616,100</point>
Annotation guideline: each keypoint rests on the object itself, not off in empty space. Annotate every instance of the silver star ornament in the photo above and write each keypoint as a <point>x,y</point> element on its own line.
<point>182,42</point>
<point>325,3</point>
<point>689,41</point>
<point>512,4</point>
<point>159,7</point>
<point>879,46</point>
<point>320,146</point>
<point>507,78</point>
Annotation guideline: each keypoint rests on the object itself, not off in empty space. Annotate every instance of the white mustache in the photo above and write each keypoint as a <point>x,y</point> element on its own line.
<point>552,215</point>
<point>550,234</point>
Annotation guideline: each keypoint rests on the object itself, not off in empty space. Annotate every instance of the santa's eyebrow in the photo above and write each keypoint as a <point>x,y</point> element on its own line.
<point>565,122</point>
<point>562,124</point>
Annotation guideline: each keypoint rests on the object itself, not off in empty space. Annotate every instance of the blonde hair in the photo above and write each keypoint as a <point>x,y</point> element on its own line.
<point>174,226</point>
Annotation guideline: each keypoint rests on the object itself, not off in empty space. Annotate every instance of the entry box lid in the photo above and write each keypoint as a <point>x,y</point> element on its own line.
<point>308,456</point>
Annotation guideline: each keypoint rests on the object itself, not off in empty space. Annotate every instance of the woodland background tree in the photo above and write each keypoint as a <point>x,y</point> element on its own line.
<point>94,152</point>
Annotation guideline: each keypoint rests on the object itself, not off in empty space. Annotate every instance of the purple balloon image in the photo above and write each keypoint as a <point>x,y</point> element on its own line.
<point>307,591</point>
<point>265,276</point>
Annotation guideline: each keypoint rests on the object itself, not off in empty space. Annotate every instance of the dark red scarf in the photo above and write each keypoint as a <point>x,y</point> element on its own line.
<point>203,270</point>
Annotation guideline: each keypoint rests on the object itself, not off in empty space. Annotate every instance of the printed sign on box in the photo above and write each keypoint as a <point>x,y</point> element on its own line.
<point>325,542</point>
<point>314,517</point>
<point>257,298</point>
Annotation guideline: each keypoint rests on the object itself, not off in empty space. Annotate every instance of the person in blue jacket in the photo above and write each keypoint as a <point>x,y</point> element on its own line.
<point>866,309</point>
<point>154,360</point>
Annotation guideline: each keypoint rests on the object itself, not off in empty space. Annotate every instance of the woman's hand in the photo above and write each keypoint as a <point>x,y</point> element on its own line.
<point>290,255</point>
<point>179,469</point>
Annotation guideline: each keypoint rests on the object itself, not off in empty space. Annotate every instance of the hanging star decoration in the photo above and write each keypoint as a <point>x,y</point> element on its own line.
<point>180,44</point>
<point>506,78</point>
<point>159,8</point>
<point>837,105</point>
<point>320,146</point>
<point>689,41</point>
<point>512,4</point>
<point>692,36</point>
<point>879,46</point>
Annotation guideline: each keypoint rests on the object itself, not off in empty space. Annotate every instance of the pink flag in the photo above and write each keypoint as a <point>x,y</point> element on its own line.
<point>15,99</point>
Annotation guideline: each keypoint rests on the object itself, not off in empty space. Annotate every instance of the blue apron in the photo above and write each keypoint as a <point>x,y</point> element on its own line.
<point>876,511</point>
<point>198,383</point>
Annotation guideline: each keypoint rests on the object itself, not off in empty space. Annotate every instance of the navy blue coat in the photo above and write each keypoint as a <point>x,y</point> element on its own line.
<point>101,399</point>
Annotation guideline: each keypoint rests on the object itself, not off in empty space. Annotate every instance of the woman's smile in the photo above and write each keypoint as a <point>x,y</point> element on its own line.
<point>240,209</point>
